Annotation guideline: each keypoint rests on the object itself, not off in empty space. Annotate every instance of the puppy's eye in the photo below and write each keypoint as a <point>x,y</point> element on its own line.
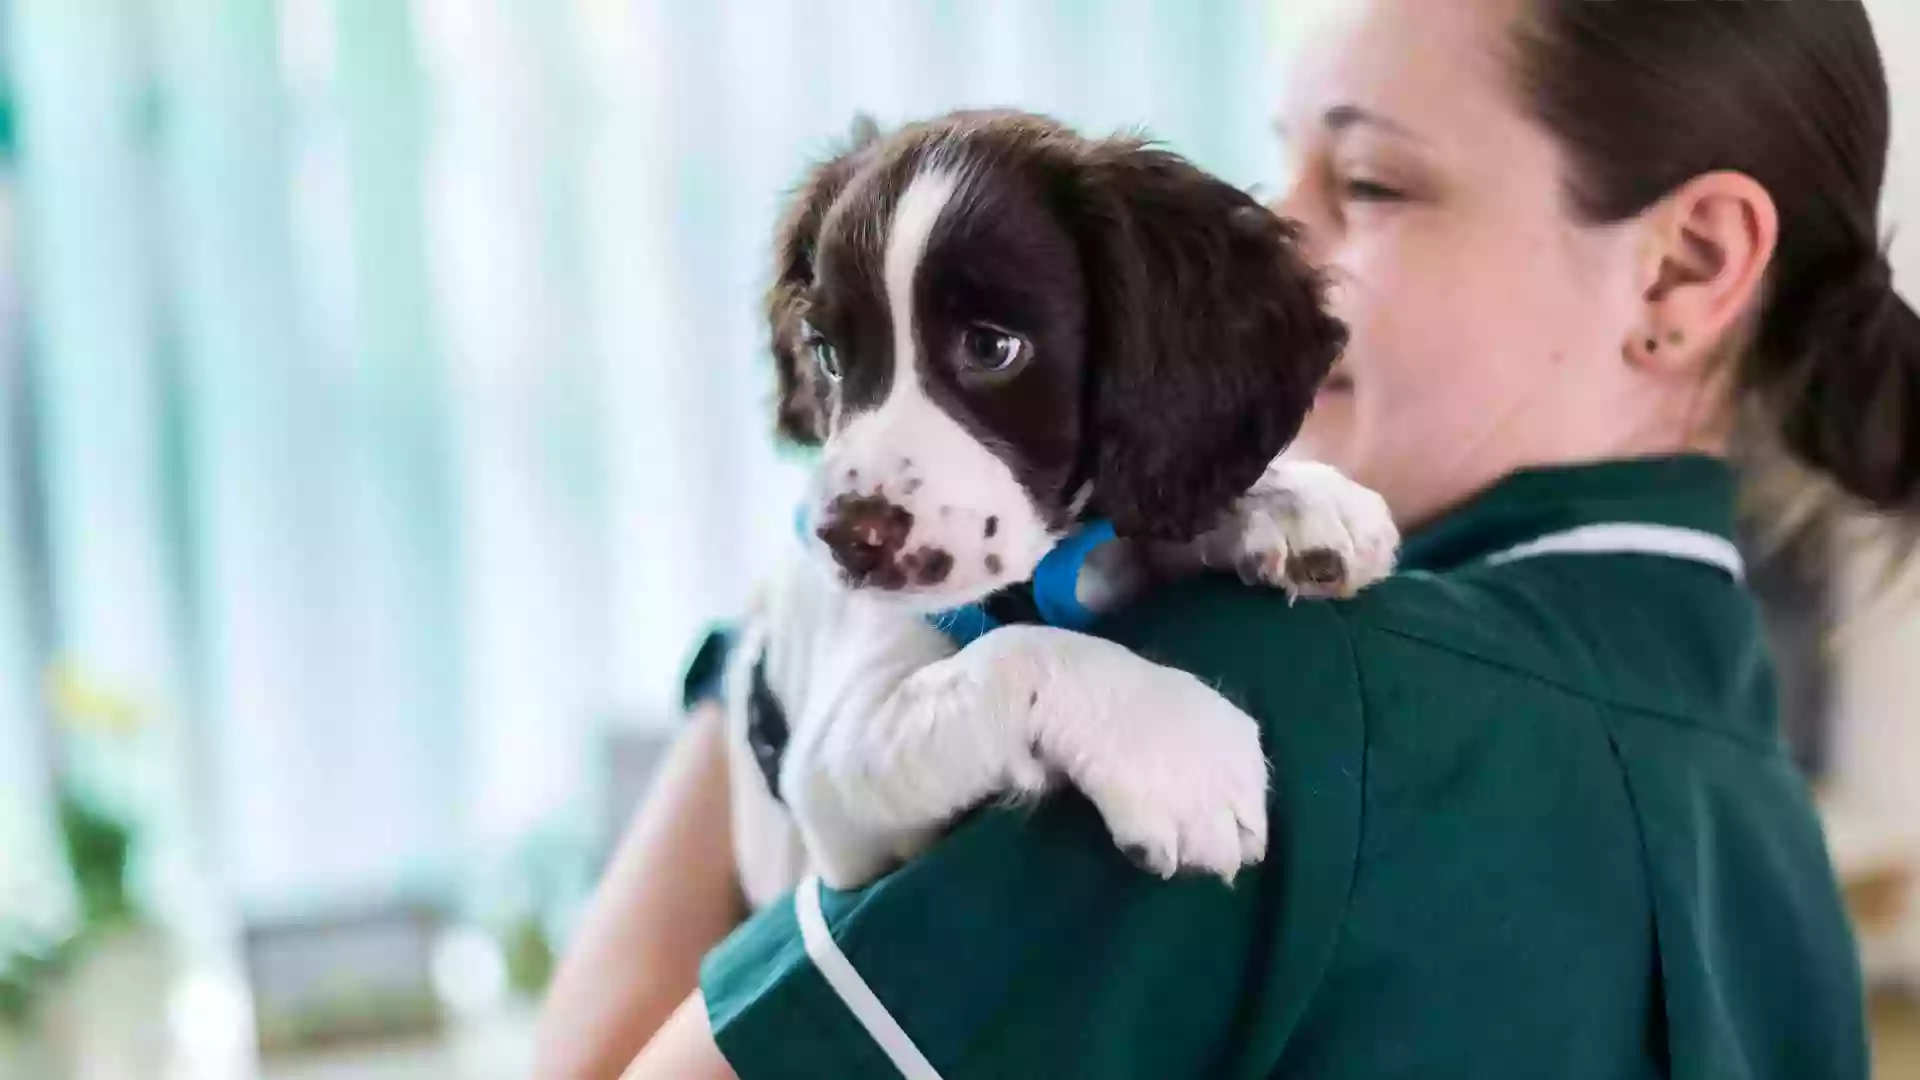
<point>991,349</point>
<point>825,356</point>
<point>828,358</point>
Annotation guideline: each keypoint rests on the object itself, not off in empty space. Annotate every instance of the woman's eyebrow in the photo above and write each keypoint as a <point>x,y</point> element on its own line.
<point>1346,117</point>
<point>1340,118</point>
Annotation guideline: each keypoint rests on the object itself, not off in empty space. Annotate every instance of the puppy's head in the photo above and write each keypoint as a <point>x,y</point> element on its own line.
<point>997,327</point>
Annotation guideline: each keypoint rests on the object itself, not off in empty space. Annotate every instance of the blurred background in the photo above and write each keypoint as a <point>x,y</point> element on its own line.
<point>382,417</point>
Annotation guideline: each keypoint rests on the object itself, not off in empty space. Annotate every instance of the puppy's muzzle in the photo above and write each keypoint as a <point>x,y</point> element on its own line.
<point>867,535</point>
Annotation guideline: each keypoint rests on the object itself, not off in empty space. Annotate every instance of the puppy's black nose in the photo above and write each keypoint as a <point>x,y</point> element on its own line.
<point>865,533</point>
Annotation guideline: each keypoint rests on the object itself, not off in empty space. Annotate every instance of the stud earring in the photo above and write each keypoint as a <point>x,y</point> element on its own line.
<point>1673,337</point>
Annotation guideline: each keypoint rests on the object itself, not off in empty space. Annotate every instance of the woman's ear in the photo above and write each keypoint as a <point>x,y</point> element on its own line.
<point>1708,249</point>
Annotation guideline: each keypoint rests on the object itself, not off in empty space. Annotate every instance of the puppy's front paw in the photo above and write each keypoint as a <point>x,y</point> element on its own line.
<point>1309,530</point>
<point>1178,776</point>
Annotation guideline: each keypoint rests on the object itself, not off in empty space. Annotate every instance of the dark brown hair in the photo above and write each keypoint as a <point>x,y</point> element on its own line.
<point>1644,95</point>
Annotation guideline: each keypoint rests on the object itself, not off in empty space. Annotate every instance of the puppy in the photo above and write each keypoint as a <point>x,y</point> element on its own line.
<point>999,331</point>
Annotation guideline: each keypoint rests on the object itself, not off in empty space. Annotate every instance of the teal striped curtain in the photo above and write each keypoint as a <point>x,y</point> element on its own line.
<point>34,903</point>
<point>396,410</point>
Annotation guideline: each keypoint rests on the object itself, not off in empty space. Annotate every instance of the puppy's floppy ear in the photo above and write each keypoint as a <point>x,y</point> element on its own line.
<point>800,416</point>
<point>1209,337</point>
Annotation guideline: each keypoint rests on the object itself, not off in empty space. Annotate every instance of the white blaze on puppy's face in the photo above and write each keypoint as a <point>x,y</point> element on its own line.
<point>997,327</point>
<point>931,513</point>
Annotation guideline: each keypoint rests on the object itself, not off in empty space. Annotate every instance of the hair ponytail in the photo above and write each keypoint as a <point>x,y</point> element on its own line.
<point>1838,365</point>
<point>1645,95</point>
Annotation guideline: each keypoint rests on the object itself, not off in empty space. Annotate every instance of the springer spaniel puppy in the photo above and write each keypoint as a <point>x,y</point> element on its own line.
<point>1001,331</point>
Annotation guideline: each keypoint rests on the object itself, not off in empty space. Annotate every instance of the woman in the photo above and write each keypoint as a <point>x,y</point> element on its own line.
<point>1532,815</point>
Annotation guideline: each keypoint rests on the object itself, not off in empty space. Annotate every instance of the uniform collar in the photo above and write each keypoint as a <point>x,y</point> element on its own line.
<point>1683,491</point>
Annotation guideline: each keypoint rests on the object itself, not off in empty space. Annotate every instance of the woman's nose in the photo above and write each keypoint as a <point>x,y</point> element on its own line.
<point>1295,205</point>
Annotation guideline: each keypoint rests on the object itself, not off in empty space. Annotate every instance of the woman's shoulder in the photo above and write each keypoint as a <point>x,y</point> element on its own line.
<point>1479,695</point>
<point>1559,790</point>
<point>1639,639</point>
<point>1597,697</point>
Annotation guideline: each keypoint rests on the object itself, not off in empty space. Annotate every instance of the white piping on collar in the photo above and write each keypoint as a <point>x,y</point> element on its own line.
<point>1633,538</point>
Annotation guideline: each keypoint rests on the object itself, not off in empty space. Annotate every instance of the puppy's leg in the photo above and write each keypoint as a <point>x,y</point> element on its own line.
<point>815,657</point>
<point>1175,769</point>
<point>1306,528</point>
<point>889,754</point>
<point>769,852</point>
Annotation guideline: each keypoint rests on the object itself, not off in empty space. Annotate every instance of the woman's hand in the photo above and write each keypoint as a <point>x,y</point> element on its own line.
<point>669,896</point>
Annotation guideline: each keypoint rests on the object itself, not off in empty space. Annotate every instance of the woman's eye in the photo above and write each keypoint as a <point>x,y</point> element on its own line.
<point>991,349</point>
<point>1362,190</point>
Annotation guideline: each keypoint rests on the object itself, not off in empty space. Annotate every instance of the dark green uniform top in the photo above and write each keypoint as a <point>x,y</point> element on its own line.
<point>1531,818</point>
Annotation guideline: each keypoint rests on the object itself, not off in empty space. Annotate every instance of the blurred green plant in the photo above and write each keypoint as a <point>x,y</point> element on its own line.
<point>99,847</point>
<point>30,962</point>
<point>529,956</point>
<point>549,874</point>
<point>99,842</point>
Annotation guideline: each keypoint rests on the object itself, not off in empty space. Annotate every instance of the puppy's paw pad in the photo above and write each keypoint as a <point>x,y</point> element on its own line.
<point>1309,530</point>
<point>1319,572</point>
<point>1253,843</point>
<point>1159,863</point>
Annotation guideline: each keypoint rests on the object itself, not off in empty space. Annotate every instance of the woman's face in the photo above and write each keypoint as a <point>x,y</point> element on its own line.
<point>1488,325</point>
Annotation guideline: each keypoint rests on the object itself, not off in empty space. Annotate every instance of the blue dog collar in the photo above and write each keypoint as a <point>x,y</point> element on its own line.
<point>1056,581</point>
<point>1055,585</point>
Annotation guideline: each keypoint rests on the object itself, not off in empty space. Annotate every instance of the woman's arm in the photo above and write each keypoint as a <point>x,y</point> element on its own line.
<point>1026,943</point>
<point>669,896</point>
<point>684,1049</point>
